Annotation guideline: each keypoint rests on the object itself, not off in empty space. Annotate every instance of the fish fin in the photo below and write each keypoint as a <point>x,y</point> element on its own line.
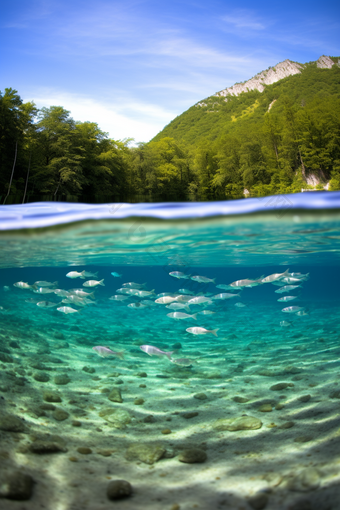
<point>187,308</point>
<point>286,273</point>
<point>82,277</point>
<point>91,295</point>
<point>101,282</point>
<point>194,316</point>
<point>95,274</point>
<point>169,354</point>
<point>214,331</point>
<point>120,354</point>
<point>213,279</point>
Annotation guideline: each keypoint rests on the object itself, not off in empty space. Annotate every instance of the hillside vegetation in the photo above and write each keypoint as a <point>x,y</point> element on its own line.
<point>281,140</point>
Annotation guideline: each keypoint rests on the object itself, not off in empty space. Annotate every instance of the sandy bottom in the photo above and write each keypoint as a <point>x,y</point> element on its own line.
<point>290,463</point>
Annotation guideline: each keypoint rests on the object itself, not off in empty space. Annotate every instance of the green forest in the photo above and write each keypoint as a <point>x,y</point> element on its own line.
<point>251,145</point>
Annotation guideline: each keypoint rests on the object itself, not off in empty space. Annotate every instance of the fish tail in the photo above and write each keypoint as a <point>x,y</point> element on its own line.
<point>169,354</point>
<point>120,354</point>
<point>83,277</point>
<point>194,316</point>
<point>214,331</point>
<point>91,295</point>
<point>187,308</point>
<point>95,274</point>
<point>101,282</point>
<point>214,280</point>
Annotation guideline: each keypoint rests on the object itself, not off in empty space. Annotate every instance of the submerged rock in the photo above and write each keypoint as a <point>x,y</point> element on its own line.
<point>241,423</point>
<point>45,446</point>
<point>115,395</point>
<point>51,396</point>
<point>200,396</point>
<point>62,379</point>
<point>279,386</point>
<point>41,377</point>
<point>118,489</point>
<point>308,479</point>
<point>60,414</point>
<point>118,418</point>
<point>240,400</point>
<point>189,415</point>
<point>192,456</point>
<point>16,485</point>
<point>144,452</point>
<point>12,423</point>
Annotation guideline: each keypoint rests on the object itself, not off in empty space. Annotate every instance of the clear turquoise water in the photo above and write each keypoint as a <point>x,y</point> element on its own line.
<point>252,351</point>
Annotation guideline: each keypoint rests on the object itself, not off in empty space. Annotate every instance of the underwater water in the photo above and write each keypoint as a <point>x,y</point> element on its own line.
<point>214,382</point>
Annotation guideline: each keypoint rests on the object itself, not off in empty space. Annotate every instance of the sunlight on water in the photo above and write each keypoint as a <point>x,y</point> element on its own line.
<point>214,382</point>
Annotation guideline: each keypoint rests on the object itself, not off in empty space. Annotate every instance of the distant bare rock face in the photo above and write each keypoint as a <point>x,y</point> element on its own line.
<point>270,76</point>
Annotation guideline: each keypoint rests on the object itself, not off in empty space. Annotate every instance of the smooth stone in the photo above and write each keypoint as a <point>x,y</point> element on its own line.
<point>139,401</point>
<point>335,394</point>
<point>166,431</point>
<point>286,425</point>
<point>147,453</point>
<point>16,485</point>
<point>189,415</point>
<point>115,395</point>
<point>41,377</point>
<point>304,398</point>
<point>76,423</point>
<point>292,370</point>
<point>240,400</point>
<point>104,453</point>
<point>118,489</point>
<point>141,374</point>
<point>303,439</point>
<point>241,423</point>
<point>51,396</point>
<point>279,386</point>
<point>47,407</point>
<point>119,418</point>
<point>84,450</point>
<point>200,396</point>
<point>308,479</point>
<point>62,379</point>
<point>89,370</point>
<point>258,501</point>
<point>149,419</point>
<point>12,423</point>
<point>42,447</point>
<point>265,408</point>
<point>192,456</point>
<point>60,414</point>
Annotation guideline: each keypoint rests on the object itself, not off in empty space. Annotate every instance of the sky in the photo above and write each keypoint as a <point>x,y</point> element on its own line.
<point>132,66</point>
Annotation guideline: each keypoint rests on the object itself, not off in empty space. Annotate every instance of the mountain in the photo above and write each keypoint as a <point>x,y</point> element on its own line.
<point>222,112</point>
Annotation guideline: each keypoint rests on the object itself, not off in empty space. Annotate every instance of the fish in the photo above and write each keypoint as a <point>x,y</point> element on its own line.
<point>154,351</point>
<point>75,300</point>
<point>206,312</point>
<point>61,292</point>
<point>292,309</point>
<point>225,295</point>
<point>134,285</point>
<point>136,305</point>
<point>93,283</point>
<point>143,293</point>
<point>31,300</point>
<point>116,275</point>
<point>202,331</point>
<point>6,288</point>
<point>178,274</point>
<point>287,288</point>
<point>276,276</point>
<point>290,279</point>
<point>287,298</point>
<point>45,284</point>
<point>300,313</point>
<point>285,324</point>
<point>147,302</point>
<point>47,304</point>
<point>247,283</point>
<point>88,274</point>
<point>81,293</point>
<point>186,291</point>
<point>105,352</point>
<point>75,274</point>
<point>240,305</point>
<point>199,300</point>
<point>222,286</point>
<point>183,362</point>
<point>124,291</point>
<point>118,298</point>
<point>165,300</point>
<point>43,290</point>
<point>22,285</point>
<point>178,306</point>
<point>181,315</point>
<point>202,279</point>
<point>67,309</point>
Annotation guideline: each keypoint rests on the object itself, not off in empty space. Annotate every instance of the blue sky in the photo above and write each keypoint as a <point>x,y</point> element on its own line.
<point>134,65</point>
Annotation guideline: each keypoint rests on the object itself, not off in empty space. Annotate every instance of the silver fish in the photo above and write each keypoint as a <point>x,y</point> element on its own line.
<point>154,351</point>
<point>183,362</point>
<point>287,288</point>
<point>287,298</point>
<point>178,274</point>
<point>118,298</point>
<point>67,309</point>
<point>292,309</point>
<point>181,315</point>
<point>202,331</point>
<point>225,295</point>
<point>203,279</point>
<point>276,276</point>
<point>93,283</point>
<point>47,304</point>
<point>105,352</point>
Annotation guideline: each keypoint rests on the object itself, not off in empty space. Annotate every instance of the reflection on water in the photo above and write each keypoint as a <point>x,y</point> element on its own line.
<point>245,419</point>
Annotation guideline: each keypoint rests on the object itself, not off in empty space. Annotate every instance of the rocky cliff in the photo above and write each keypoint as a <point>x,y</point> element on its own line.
<point>272,75</point>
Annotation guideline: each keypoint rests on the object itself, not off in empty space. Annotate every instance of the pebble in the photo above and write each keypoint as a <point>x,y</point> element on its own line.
<point>258,501</point>
<point>303,439</point>
<point>286,425</point>
<point>240,400</point>
<point>41,447</point>
<point>308,479</point>
<point>189,415</point>
<point>241,423</point>
<point>60,414</point>
<point>265,408</point>
<point>84,450</point>
<point>12,423</point>
<point>115,395</point>
<point>304,398</point>
<point>149,419</point>
<point>41,377</point>
<point>166,431</point>
<point>139,401</point>
<point>16,485</point>
<point>279,386</point>
<point>200,396</point>
<point>118,418</point>
<point>141,374</point>
<point>192,456</point>
<point>89,370</point>
<point>76,423</point>
<point>51,396</point>
<point>62,379</point>
<point>118,489</point>
<point>144,452</point>
<point>142,385</point>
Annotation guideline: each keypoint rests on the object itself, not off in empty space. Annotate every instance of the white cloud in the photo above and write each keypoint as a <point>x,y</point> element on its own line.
<point>244,19</point>
<point>129,119</point>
